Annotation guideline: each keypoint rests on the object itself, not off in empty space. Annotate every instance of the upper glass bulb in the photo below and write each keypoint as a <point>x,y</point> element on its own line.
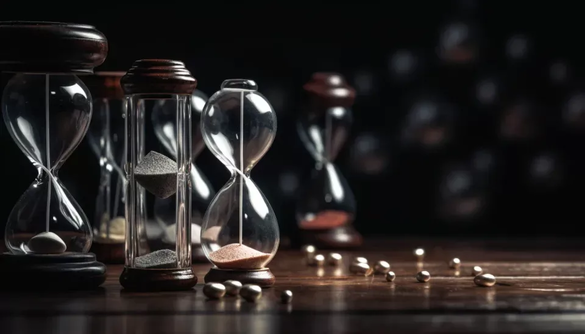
<point>239,230</point>
<point>47,116</point>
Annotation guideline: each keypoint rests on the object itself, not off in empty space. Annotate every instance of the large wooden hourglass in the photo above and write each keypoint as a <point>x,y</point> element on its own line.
<point>326,205</point>
<point>240,232</point>
<point>146,84</point>
<point>47,110</point>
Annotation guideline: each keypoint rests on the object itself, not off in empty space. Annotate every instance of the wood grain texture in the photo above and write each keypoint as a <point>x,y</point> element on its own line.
<point>67,271</point>
<point>158,76</point>
<point>541,289</point>
<point>51,47</point>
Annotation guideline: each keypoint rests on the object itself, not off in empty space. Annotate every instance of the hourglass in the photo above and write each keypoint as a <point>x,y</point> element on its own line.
<point>106,139</point>
<point>147,83</point>
<point>240,232</point>
<point>326,206</point>
<point>164,122</point>
<point>47,110</point>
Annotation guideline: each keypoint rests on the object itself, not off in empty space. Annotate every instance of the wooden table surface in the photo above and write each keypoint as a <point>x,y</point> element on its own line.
<point>541,289</point>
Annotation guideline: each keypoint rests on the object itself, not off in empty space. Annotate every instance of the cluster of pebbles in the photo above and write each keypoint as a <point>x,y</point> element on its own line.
<point>361,266</point>
<point>250,292</point>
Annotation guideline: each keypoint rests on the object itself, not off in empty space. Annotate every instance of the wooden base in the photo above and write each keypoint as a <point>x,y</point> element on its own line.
<point>158,279</point>
<point>343,237</point>
<point>262,277</point>
<point>69,271</point>
<point>109,253</point>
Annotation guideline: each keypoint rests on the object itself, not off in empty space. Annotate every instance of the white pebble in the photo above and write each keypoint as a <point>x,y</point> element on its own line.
<point>286,297</point>
<point>423,276</point>
<point>476,270</point>
<point>251,292</point>
<point>317,260</point>
<point>334,259</point>
<point>419,253</point>
<point>46,243</point>
<point>214,290</point>
<point>485,280</point>
<point>232,287</point>
<point>308,250</point>
<point>382,267</point>
<point>361,268</point>
<point>455,263</point>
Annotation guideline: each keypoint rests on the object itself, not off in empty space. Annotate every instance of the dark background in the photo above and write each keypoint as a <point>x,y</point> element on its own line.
<point>470,116</point>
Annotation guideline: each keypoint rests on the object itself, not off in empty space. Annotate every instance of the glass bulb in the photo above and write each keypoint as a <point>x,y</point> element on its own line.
<point>240,230</point>
<point>164,121</point>
<point>47,116</point>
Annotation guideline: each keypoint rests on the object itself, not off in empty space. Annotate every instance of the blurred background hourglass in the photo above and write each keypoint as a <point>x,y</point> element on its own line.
<point>326,206</point>
<point>106,139</point>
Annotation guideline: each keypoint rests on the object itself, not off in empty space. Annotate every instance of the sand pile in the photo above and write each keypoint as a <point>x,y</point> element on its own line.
<point>236,256</point>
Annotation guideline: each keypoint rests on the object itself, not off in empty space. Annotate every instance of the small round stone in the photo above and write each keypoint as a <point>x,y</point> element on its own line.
<point>382,267</point>
<point>232,287</point>
<point>390,276</point>
<point>47,243</point>
<point>485,280</point>
<point>251,292</point>
<point>419,253</point>
<point>308,250</point>
<point>286,297</point>
<point>334,259</point>
<point>455,263</point>
<point>360,259</point>
<point>476,270</point>
<point>214,290</point>
<point>360,268</point>
<point>318,260</point>
<point>423,276</point>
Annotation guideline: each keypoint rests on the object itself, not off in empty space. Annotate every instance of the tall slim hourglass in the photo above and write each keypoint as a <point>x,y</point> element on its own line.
<point>47,110</point>
<point>240,234</point>
<point>146,84</point>
<point>326,206</point>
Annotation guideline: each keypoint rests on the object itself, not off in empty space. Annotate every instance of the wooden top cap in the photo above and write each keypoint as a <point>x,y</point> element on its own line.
<point>330,89</point>
<point>50,47</point>
<point>105,84</point>
<point>158,76</point>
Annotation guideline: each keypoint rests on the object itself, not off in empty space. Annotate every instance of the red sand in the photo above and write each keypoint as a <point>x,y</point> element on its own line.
<point>236,256</point>
<point>326,220</point>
